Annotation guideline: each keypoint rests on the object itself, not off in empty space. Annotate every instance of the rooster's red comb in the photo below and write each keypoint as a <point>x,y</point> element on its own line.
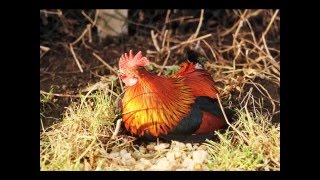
<point>131,61</point>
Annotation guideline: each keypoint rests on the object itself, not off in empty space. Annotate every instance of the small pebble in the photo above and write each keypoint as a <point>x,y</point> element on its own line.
<point>150,147</point>
<point>199,156</point>
<point>161,146</point>
<point>197,167</point>
<point>123,152</point>
<point>114,154</point>
<point>170,156</point>
<point>188,163</point>
<point>163,164</point>
<point>189,146</point>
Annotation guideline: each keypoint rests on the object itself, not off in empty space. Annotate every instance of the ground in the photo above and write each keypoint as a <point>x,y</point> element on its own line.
<point>242,49</point>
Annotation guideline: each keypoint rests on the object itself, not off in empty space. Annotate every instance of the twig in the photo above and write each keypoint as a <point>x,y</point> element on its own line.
<point>85,97</point>
<point>190,41</point>
<point>179,19</point>
<point>164,40</point>
<point>164,63</point>
<point>108,66</point>
<point>154,40</point>
<point>75,58</point>
<point>166,21</point>
<point>159,66</point>
<point>269,26</point>
<point>274,62</point>
<point>89,32</point>
<point>79,38</point>
<point>85,152</point>
<point>45,49</point>
<point>96,17</point>
<point>116,131</point>
<point>103,62</point>
<point>213,54</point>
<point>224,114</point>
<point>252,33</point>
<point>60,95</point>
<point>93,23</point>
<point>228,31</point>
<point>267,96</point>
<point>89,19</point>
<point>193,36</point>
<point>58,12</point>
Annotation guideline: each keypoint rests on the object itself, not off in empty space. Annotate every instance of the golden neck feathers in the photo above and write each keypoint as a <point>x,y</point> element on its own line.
<point>155,104</point>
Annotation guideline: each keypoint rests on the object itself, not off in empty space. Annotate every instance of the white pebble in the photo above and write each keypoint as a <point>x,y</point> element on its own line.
<point>177,154</point>
<point>180,145</point>
<point>170,156</point>
<point>145,162</point>
<point>199,156</point>
<point>161,146</point>
<point>150,147</point>
<point>113,154</point>
<point>123,152</point>
<point>127,156</point>
<point>161,165</point>
<point>189,146</point>
<point>142,149</point>
<point>188,163</point>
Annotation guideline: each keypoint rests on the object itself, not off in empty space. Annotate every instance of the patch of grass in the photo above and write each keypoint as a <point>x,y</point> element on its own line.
<point>254,146</point>
<point>83,138</point>
<point>46,106</point>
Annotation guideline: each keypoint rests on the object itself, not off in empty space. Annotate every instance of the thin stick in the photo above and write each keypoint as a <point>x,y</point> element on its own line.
<point>75,58</point>
<point>228,31</point>
<point>269,25</point>
<point>116,131</point>
<point>85,152</point>
<point>89,32</point>
<point>159,66</point>
<point>166,21</point>
<point>225,116</point>
<point>164,39</point>
<point>79,38</point>
<point>45,49</point>
<point>164,63</point>
<point>108,66</point>
<point>274,62</point>
<point>179,19</point>
<point>252,33</point>
<point>154,40</point>
<point>120,81</point>
<point>199,26</point>
<point>60,95</point>
<point>103,62</point>
<point>85,97</point>
<point>213,54</point>
<point>95,24</point>
<point>58,12</point>
<point>190,41</point>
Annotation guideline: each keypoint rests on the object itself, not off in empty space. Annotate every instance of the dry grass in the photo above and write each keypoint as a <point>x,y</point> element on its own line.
<point>237,56</point>
<point>254,146</point>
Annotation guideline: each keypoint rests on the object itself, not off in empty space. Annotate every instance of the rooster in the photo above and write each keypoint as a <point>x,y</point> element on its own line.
<point>178,107</point>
